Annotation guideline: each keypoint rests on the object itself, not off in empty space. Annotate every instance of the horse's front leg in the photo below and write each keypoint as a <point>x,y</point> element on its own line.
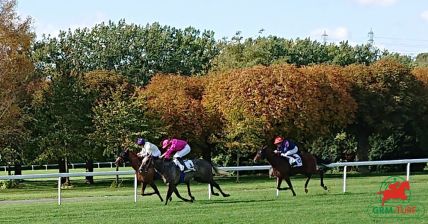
<point>174,188</point>
<point>188,191</point>
<point>143,188</point>
<point>155,188</point>
<point>169,193</point>
<point>287,179</point>
<point>278,184</point>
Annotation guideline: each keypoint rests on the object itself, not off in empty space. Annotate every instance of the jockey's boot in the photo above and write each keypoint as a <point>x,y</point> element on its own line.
<point>293,164</point>
<point>179,164</point>
<point>292,161</point>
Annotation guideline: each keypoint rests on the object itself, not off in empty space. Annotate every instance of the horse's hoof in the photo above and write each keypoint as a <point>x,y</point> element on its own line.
<point>306,190</point>
<point>192,198</point>
<point>325,188</point>
<point>226,195</point>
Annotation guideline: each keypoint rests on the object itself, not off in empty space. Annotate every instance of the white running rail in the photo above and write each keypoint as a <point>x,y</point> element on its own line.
<point>233,168</point>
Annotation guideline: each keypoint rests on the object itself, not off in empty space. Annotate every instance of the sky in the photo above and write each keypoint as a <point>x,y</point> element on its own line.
<point>398,25</point>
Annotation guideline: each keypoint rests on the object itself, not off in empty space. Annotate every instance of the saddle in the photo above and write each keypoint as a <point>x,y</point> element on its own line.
<point>298,162</point>
<point>188,165</point>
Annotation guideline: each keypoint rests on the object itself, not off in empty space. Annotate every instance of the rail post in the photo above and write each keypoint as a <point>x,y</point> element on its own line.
<point>408,171</point>
<point>59,190</point>
<point>135,187</point>
<point>344,179</point>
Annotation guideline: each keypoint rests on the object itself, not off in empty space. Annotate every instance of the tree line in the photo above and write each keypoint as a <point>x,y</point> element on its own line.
<point>87,93</point>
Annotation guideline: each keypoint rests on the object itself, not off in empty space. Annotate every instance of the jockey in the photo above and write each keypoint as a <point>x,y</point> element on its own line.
<point>177,146</point>
<point>147,148</point>
<point>288,149</point>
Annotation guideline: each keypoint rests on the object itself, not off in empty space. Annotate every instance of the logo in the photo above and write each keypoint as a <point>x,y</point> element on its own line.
<point>394,200</point>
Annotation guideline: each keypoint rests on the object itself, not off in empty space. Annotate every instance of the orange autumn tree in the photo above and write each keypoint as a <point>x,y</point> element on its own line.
<point>16,69</point>
<point>176,101</point>
<point>421,73</point>
<point>258,103</point>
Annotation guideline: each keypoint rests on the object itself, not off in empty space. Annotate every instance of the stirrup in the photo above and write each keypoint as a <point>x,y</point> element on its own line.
<point>186,169</point>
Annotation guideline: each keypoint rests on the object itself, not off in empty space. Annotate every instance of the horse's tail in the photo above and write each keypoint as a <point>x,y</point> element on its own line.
<point>322,163</point>
<point>217,171</point>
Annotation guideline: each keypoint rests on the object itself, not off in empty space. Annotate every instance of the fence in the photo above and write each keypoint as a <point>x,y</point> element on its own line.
<point>73,165</point>
<point>237,168</point>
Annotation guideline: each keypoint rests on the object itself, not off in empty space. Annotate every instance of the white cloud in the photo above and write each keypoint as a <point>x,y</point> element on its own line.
<point>335,34</point>
<point>424,15</point>
<point>90,22</point>
<point>53,29</point>
<point>376,2</point>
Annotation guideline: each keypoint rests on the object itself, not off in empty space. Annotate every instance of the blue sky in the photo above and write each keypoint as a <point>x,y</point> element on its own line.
<point>398,25</point>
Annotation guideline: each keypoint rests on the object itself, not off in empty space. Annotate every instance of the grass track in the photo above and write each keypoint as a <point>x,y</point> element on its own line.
<point>252,201</point>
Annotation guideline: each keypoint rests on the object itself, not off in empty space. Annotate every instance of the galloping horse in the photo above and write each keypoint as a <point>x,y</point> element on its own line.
<point>283,170</point>
<point>146,177</point>
<point>171,175</point>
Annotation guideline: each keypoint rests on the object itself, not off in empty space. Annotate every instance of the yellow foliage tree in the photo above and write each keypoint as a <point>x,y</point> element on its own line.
<point>15,70</point>
<point>176,101</point>
<point>260,102</point>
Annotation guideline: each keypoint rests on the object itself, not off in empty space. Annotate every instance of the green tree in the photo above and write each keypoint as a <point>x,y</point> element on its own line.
<point>134,51</point>
<point>240,53</point>
<point>62,122</point>
<point>422,60</point>
<point>99,87</point>
<point>118,121</point>
<point>388,96</point>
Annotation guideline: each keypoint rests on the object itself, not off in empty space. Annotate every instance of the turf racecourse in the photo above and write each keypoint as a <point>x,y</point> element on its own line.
<point>252,201</point>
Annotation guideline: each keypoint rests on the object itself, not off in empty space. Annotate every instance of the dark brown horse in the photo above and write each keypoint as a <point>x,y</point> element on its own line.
<point>146,177</point>
<point>171,175</point>
<point>283,170</point>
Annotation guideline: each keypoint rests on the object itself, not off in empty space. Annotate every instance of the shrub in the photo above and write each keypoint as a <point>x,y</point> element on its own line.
<point>8,184</point>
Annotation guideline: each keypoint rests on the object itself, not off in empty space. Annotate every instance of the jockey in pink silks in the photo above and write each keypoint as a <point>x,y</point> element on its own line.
<point>177,146</point>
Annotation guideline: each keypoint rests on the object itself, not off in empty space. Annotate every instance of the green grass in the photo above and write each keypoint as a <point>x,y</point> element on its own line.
<point>252,201</point>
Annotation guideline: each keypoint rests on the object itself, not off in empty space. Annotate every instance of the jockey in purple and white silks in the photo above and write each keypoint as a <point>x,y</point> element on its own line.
<point>288,149</point>
<point>177,146</point>
<point>147,149</point>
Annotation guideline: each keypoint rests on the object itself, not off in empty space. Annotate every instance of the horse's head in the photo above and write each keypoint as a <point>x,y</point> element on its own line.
<point>261,154</point>
<point>123,156</point>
